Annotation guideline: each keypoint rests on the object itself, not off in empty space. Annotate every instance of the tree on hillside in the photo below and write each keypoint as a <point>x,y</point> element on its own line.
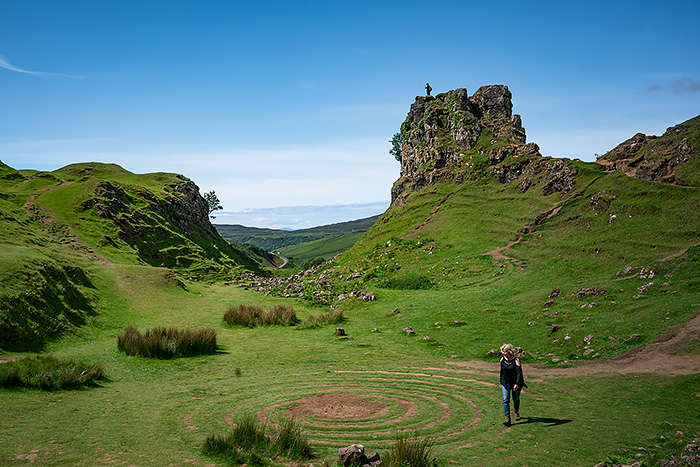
<point>396,142</point>
<point>213,203</point>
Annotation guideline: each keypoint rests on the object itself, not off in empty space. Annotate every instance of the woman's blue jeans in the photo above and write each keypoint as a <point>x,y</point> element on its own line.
<point>506,400</point>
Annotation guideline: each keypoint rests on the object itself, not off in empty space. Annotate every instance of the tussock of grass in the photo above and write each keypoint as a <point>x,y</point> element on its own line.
<point>409,450</point>
<point>253,315</point>
<point>50,373</point>
<point>249,441</point>
<point>318,320</point>
<point>168,342</point>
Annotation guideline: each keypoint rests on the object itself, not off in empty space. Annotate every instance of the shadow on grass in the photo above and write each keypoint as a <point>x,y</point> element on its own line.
<point>546,421</point>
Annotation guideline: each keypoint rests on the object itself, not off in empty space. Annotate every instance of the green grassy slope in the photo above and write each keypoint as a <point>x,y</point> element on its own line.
<point>54,226</point>
<point>438,255</point>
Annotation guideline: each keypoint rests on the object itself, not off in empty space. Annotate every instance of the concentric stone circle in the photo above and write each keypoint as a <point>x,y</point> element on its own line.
<point>372,406</point>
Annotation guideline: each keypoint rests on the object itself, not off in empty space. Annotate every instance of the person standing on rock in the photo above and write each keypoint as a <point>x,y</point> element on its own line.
<point>428,88</point>
<point>512,381</point>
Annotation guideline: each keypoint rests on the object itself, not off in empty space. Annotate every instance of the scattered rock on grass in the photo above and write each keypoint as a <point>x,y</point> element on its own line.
<point>355,455</point>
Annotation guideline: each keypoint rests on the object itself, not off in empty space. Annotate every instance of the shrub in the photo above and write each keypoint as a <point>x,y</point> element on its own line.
<point>243,315</point>
<point>248,441</point>
<point>254,315</point>
<point>408,450</point>
<point>169,342</point>
<point>50,373</point>
<point>318,320</point>
<point>279,314</point>
<point>291,442</point>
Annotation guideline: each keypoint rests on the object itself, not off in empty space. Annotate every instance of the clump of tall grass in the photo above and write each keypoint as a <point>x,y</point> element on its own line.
<point>249,441</point>
<point>409,450</point>
<point>161,342</point>
<point>318,320</point>
<point>50,373</point>
<point>253,315</point>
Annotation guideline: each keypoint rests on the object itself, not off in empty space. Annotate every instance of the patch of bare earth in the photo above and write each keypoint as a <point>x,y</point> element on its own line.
<point>499,254</point>
<point>340,406</point>
<point>429,218</point>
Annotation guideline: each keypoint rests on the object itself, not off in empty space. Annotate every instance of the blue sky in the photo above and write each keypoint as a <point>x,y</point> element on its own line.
<point>291,104</point>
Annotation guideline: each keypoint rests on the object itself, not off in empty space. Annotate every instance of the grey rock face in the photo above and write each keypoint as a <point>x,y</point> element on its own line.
<point>442,135</point>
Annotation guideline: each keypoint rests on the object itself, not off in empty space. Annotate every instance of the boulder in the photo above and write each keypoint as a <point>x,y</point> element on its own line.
<point>354,455</point>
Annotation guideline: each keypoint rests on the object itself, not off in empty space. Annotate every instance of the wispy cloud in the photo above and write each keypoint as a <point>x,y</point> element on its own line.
<point>6,65</point>
<point>680,87</point>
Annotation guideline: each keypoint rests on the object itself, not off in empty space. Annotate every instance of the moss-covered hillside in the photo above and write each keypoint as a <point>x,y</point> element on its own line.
<point>54,225</point>
<point>540,250</point>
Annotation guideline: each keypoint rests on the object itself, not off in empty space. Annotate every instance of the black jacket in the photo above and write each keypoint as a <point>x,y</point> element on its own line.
<point>512,374</point>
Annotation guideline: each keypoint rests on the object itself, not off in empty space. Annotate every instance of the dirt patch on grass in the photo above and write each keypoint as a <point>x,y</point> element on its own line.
<point>655,358</point>
<point>429,218</point>
<point>339,406</point>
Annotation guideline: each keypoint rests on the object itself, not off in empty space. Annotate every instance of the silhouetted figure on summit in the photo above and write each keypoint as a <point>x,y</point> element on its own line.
<point>428,88</point>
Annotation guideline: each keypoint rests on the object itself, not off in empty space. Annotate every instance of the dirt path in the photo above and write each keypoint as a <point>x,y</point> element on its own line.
<point>654,358</point>
<point>429,218</point>
<point>499,253</point>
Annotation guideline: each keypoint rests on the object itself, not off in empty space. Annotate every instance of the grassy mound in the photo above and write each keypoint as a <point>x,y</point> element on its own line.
<point>249,443</point>
<point>169,342</point>
<point>253,315</point>
<point>50,374</point>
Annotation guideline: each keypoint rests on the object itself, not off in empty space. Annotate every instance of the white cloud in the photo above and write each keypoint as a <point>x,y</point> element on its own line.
<point>6,65</point>
<point>300,217</point>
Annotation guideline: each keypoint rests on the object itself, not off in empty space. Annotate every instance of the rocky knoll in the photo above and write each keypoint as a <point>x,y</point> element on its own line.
<point>454,136</point>
<point>662,159</point>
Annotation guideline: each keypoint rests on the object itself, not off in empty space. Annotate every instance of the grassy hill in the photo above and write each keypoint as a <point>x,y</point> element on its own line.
<point>571,261</point>
<point>55,226</point>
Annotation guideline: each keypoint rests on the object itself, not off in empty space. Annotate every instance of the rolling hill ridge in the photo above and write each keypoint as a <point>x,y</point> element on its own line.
<point>55,224</point>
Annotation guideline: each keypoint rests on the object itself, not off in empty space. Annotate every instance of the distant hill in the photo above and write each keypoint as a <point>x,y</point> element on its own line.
<point>326,240</point>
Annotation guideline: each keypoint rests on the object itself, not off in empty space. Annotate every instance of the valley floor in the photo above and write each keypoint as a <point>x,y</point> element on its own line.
<point>341,391</point>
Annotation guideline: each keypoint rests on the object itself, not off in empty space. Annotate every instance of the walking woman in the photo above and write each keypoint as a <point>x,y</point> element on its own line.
<point>512,382</point>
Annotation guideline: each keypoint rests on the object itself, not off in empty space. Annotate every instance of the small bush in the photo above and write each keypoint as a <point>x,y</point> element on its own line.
<point>243,315</point>
<point>408,450</point>
<point>169,342</point>
<point>318,320</point>
<point>253,315</point>
<point>50,373</point>
<point>291,442</point>
<point>248,441</point>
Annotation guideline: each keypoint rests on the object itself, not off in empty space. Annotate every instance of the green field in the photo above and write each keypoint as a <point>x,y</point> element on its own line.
<point>358,390</point>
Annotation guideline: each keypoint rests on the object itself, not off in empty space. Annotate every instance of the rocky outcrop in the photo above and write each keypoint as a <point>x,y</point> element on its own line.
<point>454,136</point>
<point>656,158</point>
<point>165,227</point>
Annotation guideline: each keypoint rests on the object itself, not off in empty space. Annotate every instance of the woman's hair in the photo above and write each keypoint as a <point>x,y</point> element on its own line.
<point>507,350</point>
